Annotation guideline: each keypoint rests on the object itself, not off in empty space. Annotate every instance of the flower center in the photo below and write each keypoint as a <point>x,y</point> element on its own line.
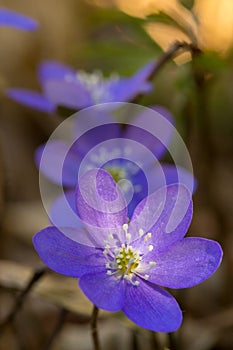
<point>125,261</point>
<point>96,84</point>
<point>116,172</point>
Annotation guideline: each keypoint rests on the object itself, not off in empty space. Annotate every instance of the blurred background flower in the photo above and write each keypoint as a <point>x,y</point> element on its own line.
<point>208,23</point>
<point>63,86</point>
<point>16,20</point>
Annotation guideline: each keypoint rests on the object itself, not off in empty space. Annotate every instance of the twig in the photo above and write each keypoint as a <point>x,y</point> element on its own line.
<point>134,341</point>
<point>94,329</point>
<point>20,299</point>
<point>175,50</point>
<point>58,327</point>
<point>172,342</point>
<point>154,342</point>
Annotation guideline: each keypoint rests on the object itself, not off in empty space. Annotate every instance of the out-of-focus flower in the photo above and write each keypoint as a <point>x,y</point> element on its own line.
<point>108,146</point>
<point>125,264</point>
<point>209,24</point>
<point>215,24</point>
<point>62,85</point>
<point>14,19</point>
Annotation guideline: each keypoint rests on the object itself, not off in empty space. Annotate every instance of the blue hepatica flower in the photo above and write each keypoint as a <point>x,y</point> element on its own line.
<point>13,19</point>
<point>62,85</point>
<point>129,154</point>
<point>122,265</point>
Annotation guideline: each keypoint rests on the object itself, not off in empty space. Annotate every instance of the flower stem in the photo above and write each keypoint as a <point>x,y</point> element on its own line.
<point>175,50</point>
<point>154,342</point>
<point>172,342</point>
<point>58,327</point>
<point>94,330</point>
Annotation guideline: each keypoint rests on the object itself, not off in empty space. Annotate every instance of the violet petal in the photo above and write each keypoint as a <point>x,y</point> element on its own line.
<point>106,292</point>
<point>186,263</point>
<point>14,19</point>
<point>99,201</point>
<point>31,99</point>
<point>64,255</point>
<point>167,214</point>
<point>152,308</point>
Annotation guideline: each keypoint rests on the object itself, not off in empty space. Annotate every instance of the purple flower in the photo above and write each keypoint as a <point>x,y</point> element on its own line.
<point>62,85</point>
<point>13,19</point>
<point>129,154</point>
<point>122,265</point>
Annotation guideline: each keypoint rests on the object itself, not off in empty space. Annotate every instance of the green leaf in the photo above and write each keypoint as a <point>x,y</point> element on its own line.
<point>187,3</point>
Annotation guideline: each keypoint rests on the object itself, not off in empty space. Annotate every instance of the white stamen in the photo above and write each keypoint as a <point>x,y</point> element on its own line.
<point>141,232</point>
<point>125,227</point>
<point>128,236</point>
<point>127,277</point>
<point>148,236</point>
<point>152,263</point>
<point>146,277</point>
<point>106,251</point>
<point>150,248</point>
<point>136,283</point>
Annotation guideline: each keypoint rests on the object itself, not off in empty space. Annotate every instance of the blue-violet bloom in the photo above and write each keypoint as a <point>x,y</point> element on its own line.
<point>130,154</point>
<point>122,265</point>
<point>64,86</point>
<point>13,19</point>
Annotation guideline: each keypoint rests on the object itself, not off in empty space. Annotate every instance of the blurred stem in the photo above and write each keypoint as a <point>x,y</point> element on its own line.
<point>154,342</point>
<point>94,330</point>
<point>172,342</point>
<point>58,327</point>
<point>134,341</point>
<point>175,50</point>
<point>206,147</point>
<point>22,296</point>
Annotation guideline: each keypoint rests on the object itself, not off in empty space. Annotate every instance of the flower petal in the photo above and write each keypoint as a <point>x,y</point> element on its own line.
<point>164,124</point>
<point>95,136</point>
<point>167,214</point>
<point>173,174</point>
<point>64,255</point>
<point>14,19</point>
<point>71,94</point>
<point>54,70</point>
<point>145,72</point>
<point>186,263</point>
<point>99,201</point>
<point>63,211</point>
<point>31,99</point>
<point>58,162</point>
<point>130,178</point>
<point>152,308</point>
<point>106,292</point>
<point>125,89</point>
